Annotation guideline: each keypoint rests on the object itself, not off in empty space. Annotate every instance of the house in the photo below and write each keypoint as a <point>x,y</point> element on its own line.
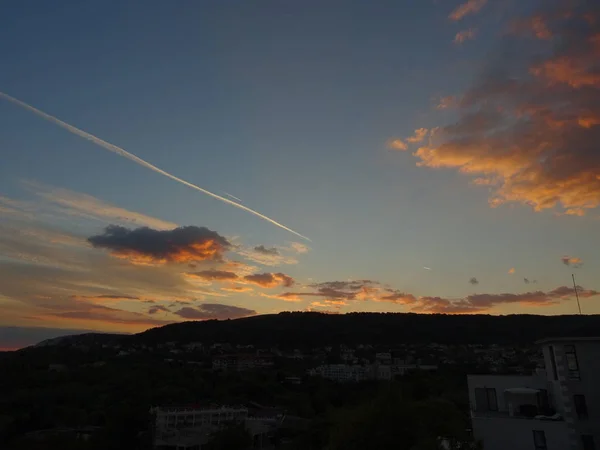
<point>556,408</point>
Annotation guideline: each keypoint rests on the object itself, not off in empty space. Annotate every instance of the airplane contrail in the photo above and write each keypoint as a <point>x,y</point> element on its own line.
<point>232,196</point>
<point>124,153</point>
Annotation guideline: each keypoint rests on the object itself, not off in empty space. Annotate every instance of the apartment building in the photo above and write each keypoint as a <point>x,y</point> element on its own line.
<point>556,408</point>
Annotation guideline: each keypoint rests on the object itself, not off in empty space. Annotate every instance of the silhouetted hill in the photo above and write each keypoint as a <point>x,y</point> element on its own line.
<point>308,328</point>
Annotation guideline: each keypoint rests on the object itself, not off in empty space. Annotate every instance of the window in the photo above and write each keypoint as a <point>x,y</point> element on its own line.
<point>580,406</point>
<point>539,440</point>
<point>491,399</point>
<point>553,362</point>
<point>485,399</point>
<point>572,364</point>
<point>587,440</point>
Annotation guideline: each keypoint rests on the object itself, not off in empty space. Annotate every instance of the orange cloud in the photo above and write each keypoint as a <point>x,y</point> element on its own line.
<point>511,271</point>
<point>397,144</point>
<point>478,303</point>
<point>237,289</point>
<point>148,246</point>
<point>286,296</point>
<point>419,135</point>
<point>465,35</point>
<point>213,275</point>
<point>572,261</point>
<point>270,280</point>
<point>469,7</point>
<point>299,247</point>
<point>529,132</point>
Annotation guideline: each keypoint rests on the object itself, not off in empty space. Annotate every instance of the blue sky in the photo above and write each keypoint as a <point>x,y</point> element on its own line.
<point>291,107</point>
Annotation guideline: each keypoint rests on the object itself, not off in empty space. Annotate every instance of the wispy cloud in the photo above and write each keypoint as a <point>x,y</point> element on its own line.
<point>464,9</point>
<point>464,35</point>
<point>83,205</point>
<point>419,135</point>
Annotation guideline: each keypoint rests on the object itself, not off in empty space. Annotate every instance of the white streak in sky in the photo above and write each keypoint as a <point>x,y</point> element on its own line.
<point>125,154</point>
<point>232,196</point>
<point>426,268</point>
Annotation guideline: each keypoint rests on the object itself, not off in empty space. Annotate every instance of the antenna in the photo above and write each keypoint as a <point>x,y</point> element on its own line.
<point>576,294</point>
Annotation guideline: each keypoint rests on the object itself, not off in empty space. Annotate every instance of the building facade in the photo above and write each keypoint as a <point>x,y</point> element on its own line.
<point>557,408</point>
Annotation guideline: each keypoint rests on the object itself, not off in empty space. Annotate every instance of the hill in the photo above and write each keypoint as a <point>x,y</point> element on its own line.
<point>308,328</point>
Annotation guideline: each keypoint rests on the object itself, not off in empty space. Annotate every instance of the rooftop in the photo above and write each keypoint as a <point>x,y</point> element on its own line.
<point>549,340</point>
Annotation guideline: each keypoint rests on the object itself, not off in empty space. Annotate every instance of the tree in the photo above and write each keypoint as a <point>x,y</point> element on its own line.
<point>232,437</point>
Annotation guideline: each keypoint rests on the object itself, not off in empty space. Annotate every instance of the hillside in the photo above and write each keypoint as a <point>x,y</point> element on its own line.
<point>306,329</point>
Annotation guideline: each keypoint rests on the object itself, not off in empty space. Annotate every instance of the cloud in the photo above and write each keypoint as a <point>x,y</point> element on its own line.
<point>82,311</point>
<point>83,205</point>
<point>266,251</point>
<point>478,303</point>
<point>464,35</point>
<point>469,7</point>
<point>265,256</point>
<point>572,261</point>
<point>528,128</point>
<point>342,292</point>
<point>213,275</point>
<point>446,102</point>
<point>419,135</point>
<point>209,311</point>
<point>157,308</point>
<point>474,281</point>
<point>145,245</point>
<point>270,280</point>
<point>511,271</point>
<point>237,289</point>
<point>286,296</point>
<point>299,247</point>
<point>397,144</point>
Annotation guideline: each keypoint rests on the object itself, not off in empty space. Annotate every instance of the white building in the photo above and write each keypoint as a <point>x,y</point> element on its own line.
<point>192,416</point>
<point>190,427</point>
<point>342,372</point>
<point>554,409</point>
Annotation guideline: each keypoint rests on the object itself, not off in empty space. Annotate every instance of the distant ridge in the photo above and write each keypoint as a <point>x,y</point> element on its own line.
<point>298,329</point>
<point>309,328</point>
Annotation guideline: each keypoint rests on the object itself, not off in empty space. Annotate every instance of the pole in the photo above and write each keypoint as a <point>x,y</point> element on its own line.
<point>576,294</point>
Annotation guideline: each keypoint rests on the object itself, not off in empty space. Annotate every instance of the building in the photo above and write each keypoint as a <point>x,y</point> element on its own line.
<point>191,427</point>
<point>242,362</point>
<point>342,372</point>
<point>194,416</point>
<point>556,408</point>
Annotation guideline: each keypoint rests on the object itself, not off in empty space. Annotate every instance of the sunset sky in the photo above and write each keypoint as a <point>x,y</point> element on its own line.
<point>430,156</point>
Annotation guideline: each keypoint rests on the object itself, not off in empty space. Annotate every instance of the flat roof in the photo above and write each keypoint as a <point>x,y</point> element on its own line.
<point>568,339</point>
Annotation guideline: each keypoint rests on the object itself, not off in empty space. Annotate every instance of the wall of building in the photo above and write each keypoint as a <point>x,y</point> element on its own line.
<point>501,383</point>
<point>517,434</point>
<point>588,359</point>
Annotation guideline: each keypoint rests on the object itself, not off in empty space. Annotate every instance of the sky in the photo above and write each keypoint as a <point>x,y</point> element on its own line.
<point>169,161</point>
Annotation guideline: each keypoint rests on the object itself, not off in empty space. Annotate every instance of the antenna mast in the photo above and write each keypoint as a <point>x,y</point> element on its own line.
<point>576,294</point>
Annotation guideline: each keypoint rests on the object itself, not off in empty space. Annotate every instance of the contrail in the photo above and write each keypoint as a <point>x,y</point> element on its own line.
<point>232,196</point>
<point>124,153</point>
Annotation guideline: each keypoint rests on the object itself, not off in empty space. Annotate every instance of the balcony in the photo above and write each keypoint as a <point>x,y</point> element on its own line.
<point>518,403</point>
